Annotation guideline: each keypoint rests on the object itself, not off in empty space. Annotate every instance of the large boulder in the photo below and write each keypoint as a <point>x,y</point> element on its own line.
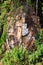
<point>23,27</point>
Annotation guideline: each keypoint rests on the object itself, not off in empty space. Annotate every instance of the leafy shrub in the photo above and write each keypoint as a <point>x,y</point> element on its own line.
<point>6,7</point>
<point>3,37</point>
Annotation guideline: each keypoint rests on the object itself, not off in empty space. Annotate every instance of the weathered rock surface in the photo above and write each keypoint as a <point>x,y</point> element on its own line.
<point>22,29</point>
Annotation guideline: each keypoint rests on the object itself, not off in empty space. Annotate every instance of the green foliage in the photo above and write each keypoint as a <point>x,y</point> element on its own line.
<point>3,37</point>
<point>28,2</point>
<point>17,3</point>
<point>39,39</point>
<point>6,7</point>
<point>20,56</point>
<point>0,25</point>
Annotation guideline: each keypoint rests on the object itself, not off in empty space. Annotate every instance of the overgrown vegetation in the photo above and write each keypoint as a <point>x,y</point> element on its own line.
<point>18,56</point>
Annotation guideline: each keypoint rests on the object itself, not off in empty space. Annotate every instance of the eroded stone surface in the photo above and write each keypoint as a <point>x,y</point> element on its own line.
<point>22,29</point>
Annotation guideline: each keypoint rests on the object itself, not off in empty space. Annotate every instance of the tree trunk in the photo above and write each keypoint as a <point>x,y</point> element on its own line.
<point>36,7</point>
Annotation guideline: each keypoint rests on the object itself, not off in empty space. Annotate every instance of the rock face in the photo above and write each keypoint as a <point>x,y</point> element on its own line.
<point>22,30</point>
